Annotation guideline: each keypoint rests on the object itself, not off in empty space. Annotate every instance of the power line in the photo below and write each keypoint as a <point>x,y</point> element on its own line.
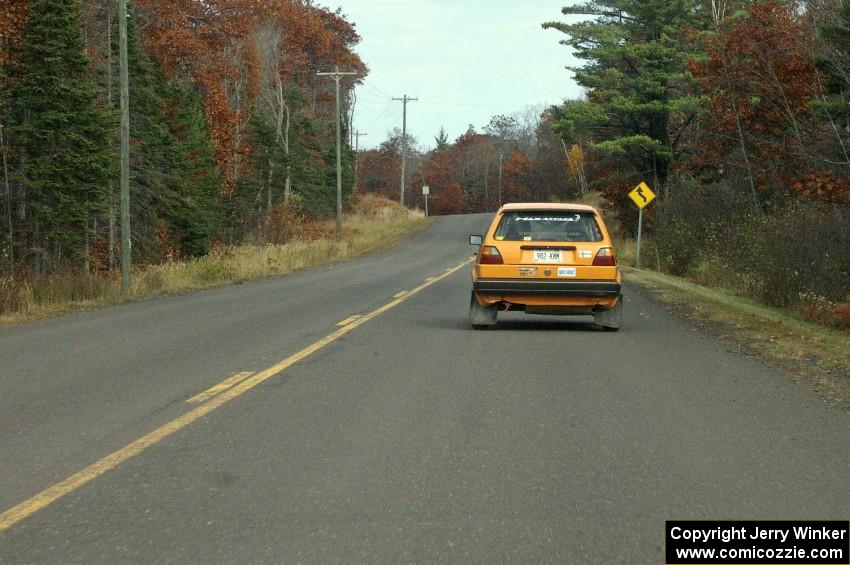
<point>375,88</point>
<point>383,116</point>
<point>367,89</point>
<point>463,104</point>
<point>369,108</point>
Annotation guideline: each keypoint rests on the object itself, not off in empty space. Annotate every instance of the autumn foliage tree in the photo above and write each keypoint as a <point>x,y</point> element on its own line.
<point>220,46</point>
<point>516,183</point>
<point>516,158</point>
<point>451,199</point>
<point>833,60</point>
<point>229,119</point>
<point>736,112</point>
<point>13,18</point>
<point>760,78</point>
<point>380,169</point>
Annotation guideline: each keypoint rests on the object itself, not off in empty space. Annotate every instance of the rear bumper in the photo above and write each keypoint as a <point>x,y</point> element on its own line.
<point>524,287</point>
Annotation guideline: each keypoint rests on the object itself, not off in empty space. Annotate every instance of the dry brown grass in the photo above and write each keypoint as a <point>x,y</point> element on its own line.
<point>374,224</point>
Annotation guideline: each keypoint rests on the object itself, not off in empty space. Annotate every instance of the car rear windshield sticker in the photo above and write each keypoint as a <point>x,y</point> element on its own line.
<point>576,218</point>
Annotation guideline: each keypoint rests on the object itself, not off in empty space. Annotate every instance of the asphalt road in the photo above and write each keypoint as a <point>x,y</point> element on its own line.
<point>410,438</point>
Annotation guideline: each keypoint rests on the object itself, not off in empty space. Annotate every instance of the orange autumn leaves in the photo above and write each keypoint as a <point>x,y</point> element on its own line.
<point>763,85</point>
<point>212,44</point>
<point>13,17</point>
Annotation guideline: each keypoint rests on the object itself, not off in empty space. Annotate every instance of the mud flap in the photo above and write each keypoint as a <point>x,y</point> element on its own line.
<point>610,320</point>
<point>481,317</point>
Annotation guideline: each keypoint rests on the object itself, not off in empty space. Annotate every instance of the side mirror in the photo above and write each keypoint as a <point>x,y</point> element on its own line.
<point>476,240</point>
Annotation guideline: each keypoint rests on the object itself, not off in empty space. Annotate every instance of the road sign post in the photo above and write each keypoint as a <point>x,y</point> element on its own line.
<point>642,195</point>
<point>640,233</point>
<point>426,190</point>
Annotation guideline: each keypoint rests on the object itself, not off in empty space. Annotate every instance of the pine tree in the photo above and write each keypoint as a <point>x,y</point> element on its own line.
<point>313,162</point>
<point>173,180</point>
<point>442,140</point>
<point>641,94</point>
<point>199,183</point>
<point>62,132</point>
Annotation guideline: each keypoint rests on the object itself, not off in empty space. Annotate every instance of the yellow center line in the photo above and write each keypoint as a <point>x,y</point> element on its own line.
<point>400,294</point>
<point>50,495</point>
<point>348,320</point>
<point>220,387</point>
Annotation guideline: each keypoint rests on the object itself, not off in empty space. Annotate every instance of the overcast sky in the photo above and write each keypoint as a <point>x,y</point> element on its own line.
<point>466,60</point>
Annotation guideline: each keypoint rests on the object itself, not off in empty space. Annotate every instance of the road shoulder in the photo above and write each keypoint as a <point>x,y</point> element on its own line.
<point>238,266</point>
<point>816,357</point>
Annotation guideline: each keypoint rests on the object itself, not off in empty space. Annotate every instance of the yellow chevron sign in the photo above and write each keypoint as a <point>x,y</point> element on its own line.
<point>642,195</point>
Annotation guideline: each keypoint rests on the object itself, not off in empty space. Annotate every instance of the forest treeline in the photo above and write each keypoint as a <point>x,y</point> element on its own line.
<point>736,112</point>
<point>230,126</point>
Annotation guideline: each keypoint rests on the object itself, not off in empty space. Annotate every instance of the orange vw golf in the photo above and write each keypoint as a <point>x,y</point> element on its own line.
<point>546,259</point>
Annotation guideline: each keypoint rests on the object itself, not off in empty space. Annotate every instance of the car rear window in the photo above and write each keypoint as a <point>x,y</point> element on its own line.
<point>548,226</point>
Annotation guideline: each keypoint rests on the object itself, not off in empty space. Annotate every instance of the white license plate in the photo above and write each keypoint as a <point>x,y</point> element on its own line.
<point>548,256</point>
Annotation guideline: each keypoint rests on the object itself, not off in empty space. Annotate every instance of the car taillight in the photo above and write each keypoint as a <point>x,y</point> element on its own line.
<point>490,256</point>
<point>605,258</point>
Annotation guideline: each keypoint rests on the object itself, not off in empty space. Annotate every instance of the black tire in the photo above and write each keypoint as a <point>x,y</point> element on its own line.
<point>482,318</point>
<point>611,320</point>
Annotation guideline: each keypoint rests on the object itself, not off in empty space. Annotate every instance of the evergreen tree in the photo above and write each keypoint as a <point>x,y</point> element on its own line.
<point>313,163</point>
<point>173,180</point>
<point>199,183</point>
<point>62,133</point>
<point>442,140</point>
<point>641,94</point>
<point>308,167</point>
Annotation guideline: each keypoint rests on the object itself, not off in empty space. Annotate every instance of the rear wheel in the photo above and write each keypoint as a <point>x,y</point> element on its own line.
<point>610,320</point>
<point>480,316</point>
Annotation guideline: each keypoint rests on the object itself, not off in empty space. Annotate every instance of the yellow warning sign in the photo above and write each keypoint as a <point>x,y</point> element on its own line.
<point>642,195</point>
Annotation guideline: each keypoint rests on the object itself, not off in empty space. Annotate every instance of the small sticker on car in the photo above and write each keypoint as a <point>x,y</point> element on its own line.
<point>566,271</point>
<point>586,254</point>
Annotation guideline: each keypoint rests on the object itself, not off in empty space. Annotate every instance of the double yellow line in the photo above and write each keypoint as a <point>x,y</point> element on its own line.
<point>208,401</point>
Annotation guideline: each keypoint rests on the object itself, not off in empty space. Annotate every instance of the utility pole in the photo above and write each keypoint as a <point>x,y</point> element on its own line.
<point>8,203</point>
<point>404,100</point>
<point>337,76</point>
<point>109,102</point>
<point>501,157</point>
<point>357,135</point>
<point>126,249</point>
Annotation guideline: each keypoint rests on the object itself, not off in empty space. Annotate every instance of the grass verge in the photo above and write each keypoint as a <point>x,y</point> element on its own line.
<point>364,232</point>
<point>816,356</point>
